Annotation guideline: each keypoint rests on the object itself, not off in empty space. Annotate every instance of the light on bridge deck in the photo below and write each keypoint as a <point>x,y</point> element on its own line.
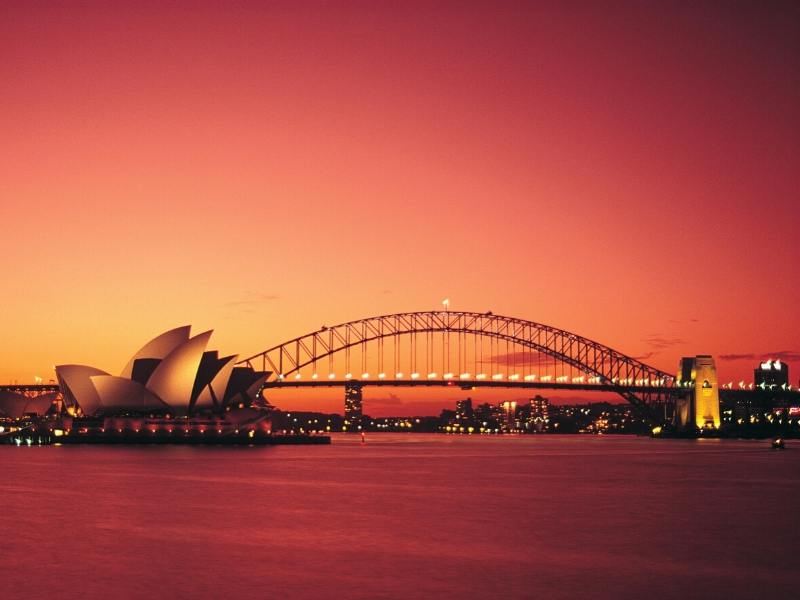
<point>531,377</point>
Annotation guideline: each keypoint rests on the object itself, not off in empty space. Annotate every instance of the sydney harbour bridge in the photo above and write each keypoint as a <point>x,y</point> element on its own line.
<point>483,350</point>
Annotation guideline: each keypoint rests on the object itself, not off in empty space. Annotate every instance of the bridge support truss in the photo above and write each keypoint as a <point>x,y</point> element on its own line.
<point>602,364</point>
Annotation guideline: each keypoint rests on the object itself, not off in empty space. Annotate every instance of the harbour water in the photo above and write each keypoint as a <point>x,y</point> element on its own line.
<point>404,515</point>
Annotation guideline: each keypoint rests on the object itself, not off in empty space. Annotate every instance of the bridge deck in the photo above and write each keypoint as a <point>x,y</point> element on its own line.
<point>470,384</point>
<point>33,387</point>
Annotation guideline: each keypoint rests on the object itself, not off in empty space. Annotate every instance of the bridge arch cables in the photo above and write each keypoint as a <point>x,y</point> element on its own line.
<point>626,375</point>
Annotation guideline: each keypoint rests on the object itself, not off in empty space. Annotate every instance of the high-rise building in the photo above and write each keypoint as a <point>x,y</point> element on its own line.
<point>539,413</point>
<point>352,407</point>
<point>464,410</point>
<point>509,413</point>
<point>485,415</point>
<point>772,372</point>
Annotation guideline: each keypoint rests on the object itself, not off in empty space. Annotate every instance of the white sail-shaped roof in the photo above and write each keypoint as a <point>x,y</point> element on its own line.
<point>219,384</point>
<point>159,347</point>
<point>119,393</point>
<point>76,384</point>
<point>173,379</point>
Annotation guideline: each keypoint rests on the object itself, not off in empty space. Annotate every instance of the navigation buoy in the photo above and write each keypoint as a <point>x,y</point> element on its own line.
<point>363,438</point>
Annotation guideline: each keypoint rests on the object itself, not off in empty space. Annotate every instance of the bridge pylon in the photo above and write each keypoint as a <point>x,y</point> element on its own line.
<point>699,408</point>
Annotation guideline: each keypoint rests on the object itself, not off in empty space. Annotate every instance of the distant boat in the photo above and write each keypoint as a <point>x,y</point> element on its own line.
<point>778,444</point>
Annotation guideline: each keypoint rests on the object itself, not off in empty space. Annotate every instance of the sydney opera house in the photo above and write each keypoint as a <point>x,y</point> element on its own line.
<point>172,385</point>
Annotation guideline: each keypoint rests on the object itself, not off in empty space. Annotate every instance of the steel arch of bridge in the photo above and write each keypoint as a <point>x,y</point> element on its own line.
<point>590,357</point>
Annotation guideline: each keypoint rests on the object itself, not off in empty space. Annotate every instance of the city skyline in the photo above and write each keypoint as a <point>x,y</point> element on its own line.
<point>266,171</point>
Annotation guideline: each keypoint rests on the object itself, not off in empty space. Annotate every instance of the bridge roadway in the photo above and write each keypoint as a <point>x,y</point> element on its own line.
<point>39,388</point>
<point>469,384</point>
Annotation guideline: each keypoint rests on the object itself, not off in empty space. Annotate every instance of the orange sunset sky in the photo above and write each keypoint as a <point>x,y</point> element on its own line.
<point>625,170</point>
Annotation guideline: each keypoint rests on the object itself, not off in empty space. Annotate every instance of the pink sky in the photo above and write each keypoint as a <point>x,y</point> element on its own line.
<point>627,171</point>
